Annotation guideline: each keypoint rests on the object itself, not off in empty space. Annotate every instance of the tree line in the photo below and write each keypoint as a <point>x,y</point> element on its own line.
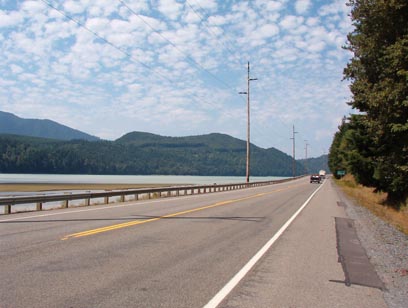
<point>141,154</point>
<point>372,144</point>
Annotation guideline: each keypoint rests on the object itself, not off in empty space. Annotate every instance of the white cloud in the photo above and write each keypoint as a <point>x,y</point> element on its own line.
<point>208,4</point>
<point>267,31</point>
<point>170,8</point>
<point>51,67</point>
<point>74,7</point>
<point>16,69</point>
<point>33,7</point>
<point>274,5</point>
<point>9,19</point>
<point>291,22</point>
<point>98,25</point>
<point>217,20</point>
<point>302,6</point>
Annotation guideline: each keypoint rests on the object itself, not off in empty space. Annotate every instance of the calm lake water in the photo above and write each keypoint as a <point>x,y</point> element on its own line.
<point>105,179</point>
<point>126,179</point>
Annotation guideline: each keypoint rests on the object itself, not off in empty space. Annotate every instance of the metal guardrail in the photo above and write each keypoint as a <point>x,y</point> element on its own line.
<point>149,193</point>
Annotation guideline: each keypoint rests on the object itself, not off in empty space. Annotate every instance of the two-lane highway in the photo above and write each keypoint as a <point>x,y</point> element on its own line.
<point>173,252</point>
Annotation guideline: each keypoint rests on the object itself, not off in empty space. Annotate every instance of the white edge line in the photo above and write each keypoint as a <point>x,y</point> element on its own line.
<point>222,294</point>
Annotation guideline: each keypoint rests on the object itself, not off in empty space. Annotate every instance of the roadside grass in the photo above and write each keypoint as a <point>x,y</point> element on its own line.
<point>375,202</point>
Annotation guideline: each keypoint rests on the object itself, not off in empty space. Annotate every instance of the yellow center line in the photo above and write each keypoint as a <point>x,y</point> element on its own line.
<point>139,222</point>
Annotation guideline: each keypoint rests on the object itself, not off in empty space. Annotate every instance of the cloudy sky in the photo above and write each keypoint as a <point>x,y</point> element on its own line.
<point>175,67</point>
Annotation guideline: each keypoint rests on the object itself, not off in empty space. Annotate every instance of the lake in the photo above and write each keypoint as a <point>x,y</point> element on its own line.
<point>125,179</point>
<point>106,179</point>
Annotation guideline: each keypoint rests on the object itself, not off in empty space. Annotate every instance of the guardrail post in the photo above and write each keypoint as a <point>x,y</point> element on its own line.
<point>38,206</point>
<point>64,199</point>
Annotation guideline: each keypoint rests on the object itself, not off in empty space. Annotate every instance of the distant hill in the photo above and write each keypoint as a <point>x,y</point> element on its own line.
<point>213,141</point>
<point>314,165</point>
<point>142,153</point>
<point>11,124</point>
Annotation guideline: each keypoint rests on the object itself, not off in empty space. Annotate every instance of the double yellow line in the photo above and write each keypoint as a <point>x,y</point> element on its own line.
<point>139,222</point>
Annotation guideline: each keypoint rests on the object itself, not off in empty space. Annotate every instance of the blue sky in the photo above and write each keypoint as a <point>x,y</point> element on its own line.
<point>175,67</point>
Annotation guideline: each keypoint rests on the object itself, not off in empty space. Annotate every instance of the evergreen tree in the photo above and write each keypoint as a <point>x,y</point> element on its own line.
<point>379,83</point>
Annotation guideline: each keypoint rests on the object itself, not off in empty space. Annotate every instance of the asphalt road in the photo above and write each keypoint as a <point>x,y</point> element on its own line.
<point>173,252</point>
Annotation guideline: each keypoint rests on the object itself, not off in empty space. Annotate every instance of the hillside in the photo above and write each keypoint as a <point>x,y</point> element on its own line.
<point>314,165</point>
<point>142,153</point>
<point>11,124</point>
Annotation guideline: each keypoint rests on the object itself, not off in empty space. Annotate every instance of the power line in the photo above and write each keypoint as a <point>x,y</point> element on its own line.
<point>104,39</point>
<point>132,58</point>
<point>190,59</point>
<point>206,22</point>
<point>122,51</point>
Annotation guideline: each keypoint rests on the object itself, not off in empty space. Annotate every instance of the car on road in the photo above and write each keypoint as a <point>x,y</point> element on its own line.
<point>315,178</point>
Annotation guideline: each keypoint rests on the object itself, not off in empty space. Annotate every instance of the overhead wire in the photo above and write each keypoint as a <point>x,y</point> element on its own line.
<point>104,40</point>
<point>130,56</point>
<point>206,23</point>
<point>189,58</point>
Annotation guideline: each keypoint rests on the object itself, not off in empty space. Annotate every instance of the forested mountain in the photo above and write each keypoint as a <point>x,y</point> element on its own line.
<point>11,124</point>
<point>315,164</point>
<point>142,153</point>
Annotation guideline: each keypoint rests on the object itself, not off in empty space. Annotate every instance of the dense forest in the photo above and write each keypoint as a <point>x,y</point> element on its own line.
<point>142,154</point>
<point>315,164</point>
<point>372,145</point>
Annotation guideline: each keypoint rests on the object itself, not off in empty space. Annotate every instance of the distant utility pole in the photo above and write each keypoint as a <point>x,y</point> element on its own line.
<point>248,125</point>
<point>293,150</point>
<point>306,145</point>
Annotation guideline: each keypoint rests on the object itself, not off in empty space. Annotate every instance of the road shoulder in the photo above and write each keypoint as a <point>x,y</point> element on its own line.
<point>387,249</point>
<point>302,268</point>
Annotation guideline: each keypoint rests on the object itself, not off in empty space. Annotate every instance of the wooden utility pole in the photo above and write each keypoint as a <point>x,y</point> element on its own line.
<point>248,154</point>
<point>293,150</point>
<point>306,145</point>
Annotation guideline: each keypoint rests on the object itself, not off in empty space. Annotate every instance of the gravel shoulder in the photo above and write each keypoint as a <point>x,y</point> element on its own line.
<point>387,249</point>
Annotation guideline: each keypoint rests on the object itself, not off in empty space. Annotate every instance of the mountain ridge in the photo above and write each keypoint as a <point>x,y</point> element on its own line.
<point>12,124</point>
<point>143,153</point>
